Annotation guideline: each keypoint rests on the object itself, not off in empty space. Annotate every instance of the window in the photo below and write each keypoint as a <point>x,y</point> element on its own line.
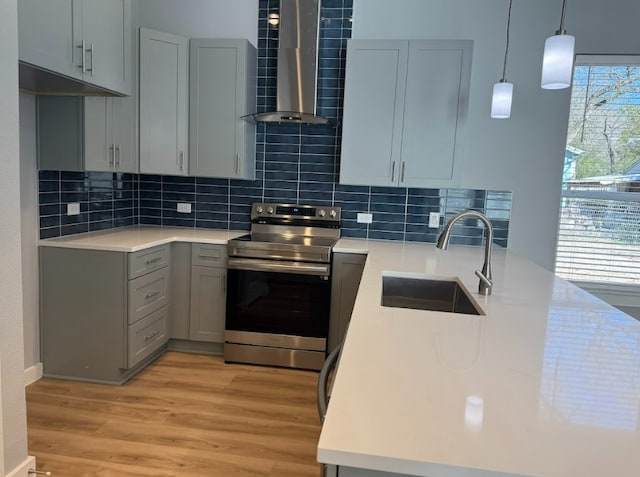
<point>599,232</point>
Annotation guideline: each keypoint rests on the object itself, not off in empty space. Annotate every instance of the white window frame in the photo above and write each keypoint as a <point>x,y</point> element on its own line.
<point>621,293</point>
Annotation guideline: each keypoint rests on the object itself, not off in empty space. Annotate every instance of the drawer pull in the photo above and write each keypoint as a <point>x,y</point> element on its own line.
<point>153,260</point>
<point>151,294</point>
<point>151,335</point>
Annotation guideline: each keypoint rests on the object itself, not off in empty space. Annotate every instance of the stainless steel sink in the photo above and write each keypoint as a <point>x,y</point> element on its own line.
<point>427,294</point>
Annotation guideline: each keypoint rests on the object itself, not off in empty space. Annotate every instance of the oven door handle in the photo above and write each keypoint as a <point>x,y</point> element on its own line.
<point>273,266</point>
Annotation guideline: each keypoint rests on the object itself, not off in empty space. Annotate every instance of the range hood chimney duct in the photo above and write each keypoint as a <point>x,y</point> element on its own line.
<point>297,65</point>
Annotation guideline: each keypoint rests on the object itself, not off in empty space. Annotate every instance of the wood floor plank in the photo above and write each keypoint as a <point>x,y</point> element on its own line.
<point>185,415</point>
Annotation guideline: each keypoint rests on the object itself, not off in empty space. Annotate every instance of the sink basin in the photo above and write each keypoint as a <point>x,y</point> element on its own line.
<point>427,294</point>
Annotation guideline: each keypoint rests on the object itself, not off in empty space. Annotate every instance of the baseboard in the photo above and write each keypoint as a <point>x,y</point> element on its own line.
<point>23,469</point>
<point>32,374</point>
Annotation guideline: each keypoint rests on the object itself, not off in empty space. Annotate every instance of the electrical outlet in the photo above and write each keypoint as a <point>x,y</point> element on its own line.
<point>184,208</point>
<point>434,220</point>
<point>73,208</point>
<point>365,218</point>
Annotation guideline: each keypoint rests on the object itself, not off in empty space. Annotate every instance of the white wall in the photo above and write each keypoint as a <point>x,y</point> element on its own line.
<point>202,18</point>
<point>525,153</point>
<point>14,428</point>
<point>29,228</point>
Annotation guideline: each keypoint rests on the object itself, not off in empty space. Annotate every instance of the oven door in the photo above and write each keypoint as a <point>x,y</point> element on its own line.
<point>278,304</point>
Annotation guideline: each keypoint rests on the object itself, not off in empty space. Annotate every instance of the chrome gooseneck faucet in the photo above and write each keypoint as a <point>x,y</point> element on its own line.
<point>486,283</point>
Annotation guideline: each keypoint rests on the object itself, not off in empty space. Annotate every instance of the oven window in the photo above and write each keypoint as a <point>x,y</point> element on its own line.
<point>279,303</point>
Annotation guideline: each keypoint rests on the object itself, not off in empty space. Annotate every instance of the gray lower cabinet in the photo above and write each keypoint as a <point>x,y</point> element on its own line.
<point>333,471</point>
<point>103,314</point>
<point>345,280</point>
<point>208,292</point>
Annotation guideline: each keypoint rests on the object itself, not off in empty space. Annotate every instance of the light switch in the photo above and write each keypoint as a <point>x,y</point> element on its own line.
<point>434,220</point>
<point>184,208</point>
<point>73,208</point>
<point>365,218</point>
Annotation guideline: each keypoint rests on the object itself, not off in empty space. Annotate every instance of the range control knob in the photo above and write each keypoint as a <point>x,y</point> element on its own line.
<point>270,210</point>
<point>333,214</point>
<point>259,209</point>
<point>322,213</point>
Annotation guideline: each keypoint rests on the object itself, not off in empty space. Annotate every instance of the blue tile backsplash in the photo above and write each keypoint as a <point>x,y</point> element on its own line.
<point>294,164</point>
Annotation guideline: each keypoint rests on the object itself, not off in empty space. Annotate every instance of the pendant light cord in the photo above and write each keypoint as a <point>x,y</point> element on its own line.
<point>561,30</point>
<point>506,50</point>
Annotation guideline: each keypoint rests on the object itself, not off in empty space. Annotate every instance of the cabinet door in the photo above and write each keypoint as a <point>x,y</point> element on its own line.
<point>208,304</point>
<point>163,103</point>
<point>437,92</point>
<point>218,100</point>
<point>123,129</point>
<point>47,29</point>
<point>109,130</point>
<point>375,80</point>
<point>106,26</point>
<point>98,147</point>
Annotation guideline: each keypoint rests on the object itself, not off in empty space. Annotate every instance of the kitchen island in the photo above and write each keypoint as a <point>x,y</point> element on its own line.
<point>545,383</point>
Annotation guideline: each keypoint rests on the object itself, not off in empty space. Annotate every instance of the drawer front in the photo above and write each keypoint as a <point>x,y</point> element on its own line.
<point>148,260</point>
<point>209,255</point>
<point>146,336</point>
<point>148,294</point>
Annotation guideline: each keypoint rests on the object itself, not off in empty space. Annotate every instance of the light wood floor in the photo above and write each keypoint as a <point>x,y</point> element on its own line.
<point>185,415</point>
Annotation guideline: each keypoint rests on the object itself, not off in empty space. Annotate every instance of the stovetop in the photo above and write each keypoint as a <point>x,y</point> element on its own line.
<point>309,241</point>
<point>289,232</point>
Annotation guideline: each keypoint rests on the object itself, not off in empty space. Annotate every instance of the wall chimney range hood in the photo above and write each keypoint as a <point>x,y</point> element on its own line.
<point>297,65</point>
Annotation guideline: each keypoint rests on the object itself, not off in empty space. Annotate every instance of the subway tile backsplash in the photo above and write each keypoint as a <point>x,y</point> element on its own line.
<point>294,164</point>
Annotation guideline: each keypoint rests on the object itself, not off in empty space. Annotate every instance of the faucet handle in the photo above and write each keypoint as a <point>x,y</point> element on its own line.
<point>485,285</point>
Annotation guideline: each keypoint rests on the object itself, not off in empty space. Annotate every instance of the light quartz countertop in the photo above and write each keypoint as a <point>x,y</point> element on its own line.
<point>134,238</point>
<point>546,383</point>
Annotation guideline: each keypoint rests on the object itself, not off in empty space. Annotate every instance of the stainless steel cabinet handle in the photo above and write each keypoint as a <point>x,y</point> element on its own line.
<point>402,172</point>
<point>237,164</point>
<point>112,160</point>
<point>181,160</point>
<point>92,51</point>
<point>151,294</point>
<point>153,260</point>
<point>82,65</point>
<point>117,155</point>
<point>393,171</point>
<point>151,335</point>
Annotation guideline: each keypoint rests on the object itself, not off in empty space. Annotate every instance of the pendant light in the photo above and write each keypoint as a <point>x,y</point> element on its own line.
<point>557,62</point>
<point>503,90</point>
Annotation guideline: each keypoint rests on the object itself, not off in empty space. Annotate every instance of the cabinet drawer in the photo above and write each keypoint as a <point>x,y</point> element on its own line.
<point>209,255</point>
<point>146,336</point>
<point>148,260</point>
<point>147,294</point>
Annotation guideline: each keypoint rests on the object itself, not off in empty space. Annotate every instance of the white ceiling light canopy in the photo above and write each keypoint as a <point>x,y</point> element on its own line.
<point>557,62</point>
<point>503,90</point>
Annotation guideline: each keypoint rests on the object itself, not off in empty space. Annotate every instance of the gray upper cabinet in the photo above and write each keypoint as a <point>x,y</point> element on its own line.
<point>222,90</point>
<point>405,103</point>
<point>164,103</point>
<point>110,142</point>
<point>88,40</point>
<point>86,134</point>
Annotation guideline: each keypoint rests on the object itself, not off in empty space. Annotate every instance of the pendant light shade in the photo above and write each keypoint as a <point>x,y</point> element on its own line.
<point>503,90</point>
<point>501,100</point>
<point>557,62</point>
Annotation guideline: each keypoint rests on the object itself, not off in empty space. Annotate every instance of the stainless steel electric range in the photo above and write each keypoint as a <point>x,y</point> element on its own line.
<point>279,286</point>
